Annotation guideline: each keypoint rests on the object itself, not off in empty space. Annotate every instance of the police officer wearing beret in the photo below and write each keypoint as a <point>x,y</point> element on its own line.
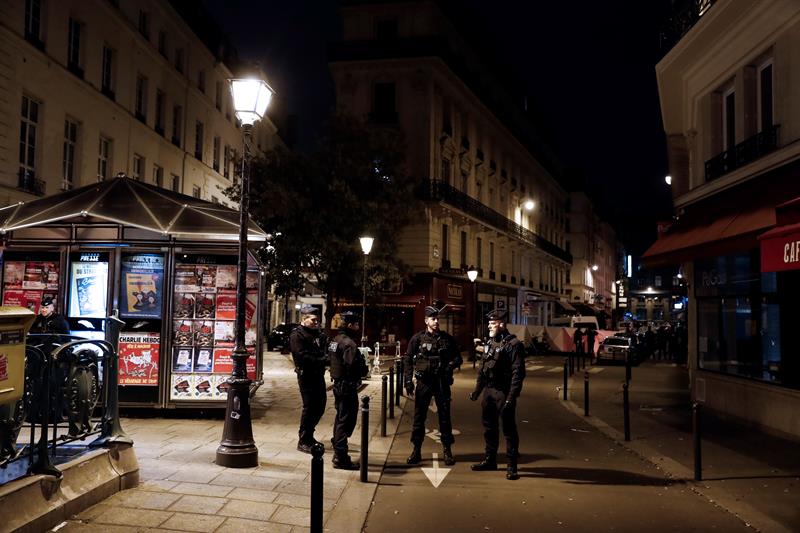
<point>431,357</point>
<point>348,367</point>
<point>500,378</point>
<point>48,321</point>
<point>308,348</point>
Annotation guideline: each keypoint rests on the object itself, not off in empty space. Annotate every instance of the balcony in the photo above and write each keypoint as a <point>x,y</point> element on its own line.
<point>687,14</point>
<point>27,182</point>
<point>435,190</point>
<point>743,153</point>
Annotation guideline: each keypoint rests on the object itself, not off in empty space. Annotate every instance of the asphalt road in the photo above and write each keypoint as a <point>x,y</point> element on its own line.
<point>572,477</point>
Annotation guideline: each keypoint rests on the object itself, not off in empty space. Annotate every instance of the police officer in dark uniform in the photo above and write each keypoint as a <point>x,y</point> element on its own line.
<point>500,378</point>
<point>308,348</point>
<point>431,357</point>
<point>48,321</point>
<point>348,367</point>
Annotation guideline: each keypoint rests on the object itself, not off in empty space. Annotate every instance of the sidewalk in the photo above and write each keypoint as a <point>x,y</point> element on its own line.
<point>752,475</point>
<point>182,489</point>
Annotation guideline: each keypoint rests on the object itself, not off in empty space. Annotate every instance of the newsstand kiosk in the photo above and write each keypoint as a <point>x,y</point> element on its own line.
<point>167,261</point>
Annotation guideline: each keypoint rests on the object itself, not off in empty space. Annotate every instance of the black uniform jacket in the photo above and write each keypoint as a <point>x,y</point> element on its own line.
<point>503,365</point>
<point>54,323</point>
<point>347,362</point>
<point>308,350</point>
<point>430,346</point>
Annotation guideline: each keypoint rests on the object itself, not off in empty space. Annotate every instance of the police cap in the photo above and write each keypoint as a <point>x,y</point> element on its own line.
<point>47,300</point>
<point>497,314</point>
<point>431,311</point>
<point>349,317</point>
<point>309,310</point>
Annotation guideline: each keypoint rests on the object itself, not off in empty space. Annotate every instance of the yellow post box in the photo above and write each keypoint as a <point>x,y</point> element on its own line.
<point>14,325</point>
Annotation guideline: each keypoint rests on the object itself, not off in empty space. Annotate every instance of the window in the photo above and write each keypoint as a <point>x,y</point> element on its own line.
<point>160,97</point>
<point>179,60</point>
<point>227,162</point>
<point>568,248</point>
<point>445,243</point>
<point>74,63</point>
<point>729,119</point>
<point>103,158</point>
<point>68,157</point>
<point>765,97</point>
<point>218,96</point>
<point>33,22</point>
<point>176,183</point>
<point>386,30</point>
<point>158,175</point>
<point>464,248</point>
<point>479,253</point>
<point>107,73</point>
<point>198,140</point>
<point>215,162</point>
<point>162,43</point>
<point>513,263</point>
<point>144,24</point>
<point>491,256</point>
<point>201,81</point>
<point>195,191</point>
<point>177,121</point>
<point>29,122</point>
<point>138,168</point>
<point>384,110</point>
<point>445,170</point>
<point>141,98</point>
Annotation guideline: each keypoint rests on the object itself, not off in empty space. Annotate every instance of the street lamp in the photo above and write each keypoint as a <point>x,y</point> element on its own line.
<point>366,246</point>
<point>472,273</point>
<point>528,205</point>
<point>237,449</point>
<point>595,268</point>
<point>668,180</point>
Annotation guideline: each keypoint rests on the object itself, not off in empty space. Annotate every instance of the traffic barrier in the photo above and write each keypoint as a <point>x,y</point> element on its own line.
<point>364,437</point>
<point>626,411</point>
<point>697,436</point>
<point>383,406</point>
<point>317,470</point>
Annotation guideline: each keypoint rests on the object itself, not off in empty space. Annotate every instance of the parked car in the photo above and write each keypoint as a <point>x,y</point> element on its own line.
<point>617,348</point>
<point>278,338</point>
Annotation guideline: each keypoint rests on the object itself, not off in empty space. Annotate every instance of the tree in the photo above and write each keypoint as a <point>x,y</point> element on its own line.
<point>316,205</point>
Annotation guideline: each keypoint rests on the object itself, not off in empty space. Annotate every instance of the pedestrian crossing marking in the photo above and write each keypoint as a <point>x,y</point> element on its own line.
<point>534,368</point>
<point>596,370</point>
<point>556,369</point>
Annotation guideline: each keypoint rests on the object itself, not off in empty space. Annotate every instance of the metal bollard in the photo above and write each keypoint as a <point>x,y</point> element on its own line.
<point>697,434</point>
<point>566,372</point>
<point>383,406</point>
<point>626,409</point>
<point>317,450</point>
<point>586,393</point>
<point>364,438</point>
<point>391,392</point>
<point>398,388</point>
<point>627,368</point>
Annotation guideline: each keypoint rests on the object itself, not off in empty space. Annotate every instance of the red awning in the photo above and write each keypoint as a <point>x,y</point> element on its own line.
<point>780,248</point>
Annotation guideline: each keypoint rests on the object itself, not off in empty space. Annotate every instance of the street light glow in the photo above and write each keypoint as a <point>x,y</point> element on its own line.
<point>250,99</point>
<point>366,244</point>
<point>595,268</point>
<point>472,274</point>
<point>529,205</point>
<point>668,179</point>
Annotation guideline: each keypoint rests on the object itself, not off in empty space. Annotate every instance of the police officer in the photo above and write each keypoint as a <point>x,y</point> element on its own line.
<point>310,359</point>
<point>431,357</point>
<point>348,367</point>
<point>48,321</point>
<point>500,378</point>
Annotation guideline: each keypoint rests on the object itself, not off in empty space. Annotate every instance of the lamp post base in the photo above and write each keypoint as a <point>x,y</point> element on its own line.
<point>237,448</point>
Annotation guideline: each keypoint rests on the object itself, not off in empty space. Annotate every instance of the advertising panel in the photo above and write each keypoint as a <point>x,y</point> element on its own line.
<point>141,289</point>
<point>139,358</point>
<point>88,286</point>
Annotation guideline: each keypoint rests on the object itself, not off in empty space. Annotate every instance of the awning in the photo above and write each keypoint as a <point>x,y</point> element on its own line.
<point>780,249</point>
<point>128,202</point>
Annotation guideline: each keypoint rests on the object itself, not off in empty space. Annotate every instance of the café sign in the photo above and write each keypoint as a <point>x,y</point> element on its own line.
<point>780,249</point>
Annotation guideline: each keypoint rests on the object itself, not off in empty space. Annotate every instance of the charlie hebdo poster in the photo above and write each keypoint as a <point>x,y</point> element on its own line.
<point>142,281</point>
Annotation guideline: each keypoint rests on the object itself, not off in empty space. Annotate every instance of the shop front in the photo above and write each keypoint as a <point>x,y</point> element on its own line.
<point>168,264</point>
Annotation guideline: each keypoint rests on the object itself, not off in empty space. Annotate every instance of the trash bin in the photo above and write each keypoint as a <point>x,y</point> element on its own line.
<point>14,325</point>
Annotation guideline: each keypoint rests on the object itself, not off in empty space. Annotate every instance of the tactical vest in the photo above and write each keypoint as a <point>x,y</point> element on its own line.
<point>428,360</point>
<point>337,365</point>
<point>496,366</point>
<point>354,372</point>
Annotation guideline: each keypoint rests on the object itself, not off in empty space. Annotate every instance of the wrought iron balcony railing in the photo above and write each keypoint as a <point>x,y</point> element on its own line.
<point>743,153</point>
<point>442,192</point>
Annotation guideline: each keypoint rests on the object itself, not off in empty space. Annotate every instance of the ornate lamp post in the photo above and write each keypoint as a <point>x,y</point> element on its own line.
<point>237,449</point>
<point>366,246</point>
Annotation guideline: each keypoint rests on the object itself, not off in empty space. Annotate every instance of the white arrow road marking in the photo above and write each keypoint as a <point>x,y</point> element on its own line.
<point>432,407</point>
<point>534,368</point>
<point>556,369</point>
<point>596,370</point>
<point>436,475</point>
<point>437,437</point>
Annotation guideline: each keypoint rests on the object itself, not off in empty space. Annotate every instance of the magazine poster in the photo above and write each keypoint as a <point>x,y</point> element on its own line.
<point>204,360</point>
<point>221,386</point>
<point>29,299</point>
<point>138,358</point>
<point>51,277</point>
<point>251,365</point>
<point>186,279</point>
<point>223,333</point>
<point>203,387</point>
<point>223,362</point>
<point>182,359</point>
<point>208,277</point>
<point>205,305</point>
<point>142,278</point>
<point>226,277</point>
<point>181,387</point>
<point>183,305</point>
<point>88,289</point>
<point>36,275</point>
<point>250,308</point>
<point>14,273</point>
<point>203,333</point>
<point>226,306</point>
<point>182,333</point>
<point>251,280</point>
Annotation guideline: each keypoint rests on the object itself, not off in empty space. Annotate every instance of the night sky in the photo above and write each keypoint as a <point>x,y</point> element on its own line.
<point>587,67</point>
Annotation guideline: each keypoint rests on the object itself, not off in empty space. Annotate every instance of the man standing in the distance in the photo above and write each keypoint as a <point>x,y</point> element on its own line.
<point>431,358</point>
<point>48,321</point>
<point>308,347</point>
<point>348,367</point>
<point>500,379</point>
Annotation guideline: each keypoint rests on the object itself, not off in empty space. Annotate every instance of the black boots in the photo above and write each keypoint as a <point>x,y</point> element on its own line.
<point>304,447</point>
<point>415,457</point>
<point>447,455</point>
<point>344,463</point>
<point>511,470</point>
<point>489,463</point>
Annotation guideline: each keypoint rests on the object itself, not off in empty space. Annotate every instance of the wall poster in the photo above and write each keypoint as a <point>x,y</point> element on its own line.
<point>141,290</point>
<point>139,358</point>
